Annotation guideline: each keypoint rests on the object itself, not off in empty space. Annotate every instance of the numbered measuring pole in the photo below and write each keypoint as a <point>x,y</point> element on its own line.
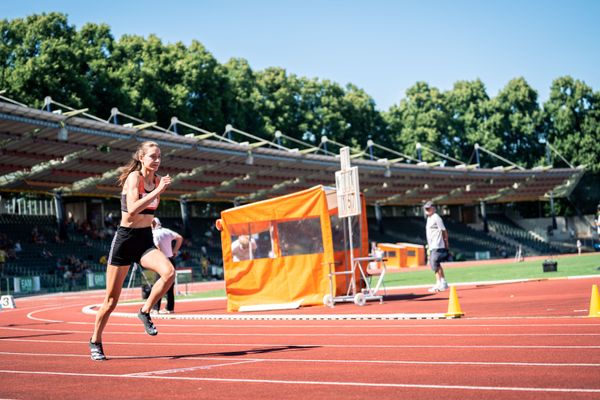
<point>347,187</point>
<point>349,205</point>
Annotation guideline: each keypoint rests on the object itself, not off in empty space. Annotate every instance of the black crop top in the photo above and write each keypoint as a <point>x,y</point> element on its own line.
<point>143,193</point>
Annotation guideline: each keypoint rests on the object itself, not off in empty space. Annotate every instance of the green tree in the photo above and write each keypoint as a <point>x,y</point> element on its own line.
<point>572,121</point>
<point>514,124</point>
<point>278,102</point>
<point>467,105</point>
<point>42,55</point>
<point>152,77</point>
<point>104,89</point>
<point>421,118</point>
<point>241,97</point>
<point>204,83</point>
<point>362,119</point>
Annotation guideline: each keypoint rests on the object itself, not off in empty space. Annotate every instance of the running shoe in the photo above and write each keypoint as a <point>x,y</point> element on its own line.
<point>166,312</point>
<point>147,321</point>
<point>443,286</point>
<point>434,289</point>
<point>96,351</point>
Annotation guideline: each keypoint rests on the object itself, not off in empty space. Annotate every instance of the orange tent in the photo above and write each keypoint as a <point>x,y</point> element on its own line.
<point>287,246</point>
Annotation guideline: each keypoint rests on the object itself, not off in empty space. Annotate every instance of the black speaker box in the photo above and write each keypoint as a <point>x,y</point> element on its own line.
<point>549,265</point>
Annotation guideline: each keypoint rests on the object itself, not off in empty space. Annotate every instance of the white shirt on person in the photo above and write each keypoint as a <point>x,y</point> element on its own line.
<point>239,253</point>
<point>433,229</point>
<point>163,239</point>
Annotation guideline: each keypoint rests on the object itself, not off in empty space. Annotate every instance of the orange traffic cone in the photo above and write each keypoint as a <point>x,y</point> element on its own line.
<point>594,303</point>
<point>454,309</point>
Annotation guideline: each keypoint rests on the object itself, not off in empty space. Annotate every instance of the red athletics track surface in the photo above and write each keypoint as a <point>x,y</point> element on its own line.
<point>518,341</point>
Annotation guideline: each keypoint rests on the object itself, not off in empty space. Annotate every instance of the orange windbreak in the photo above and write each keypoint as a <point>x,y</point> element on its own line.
<point>275,278</point>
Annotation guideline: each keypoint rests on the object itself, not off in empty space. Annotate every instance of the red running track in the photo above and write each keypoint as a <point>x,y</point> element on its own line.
<point>518,341</point>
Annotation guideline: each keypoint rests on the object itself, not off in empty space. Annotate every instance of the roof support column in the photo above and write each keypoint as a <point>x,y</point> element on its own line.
<point>549,159</point>
<point>185,217</point>
<point>486,228</point>
<point>378,217</point>
<point>60,215</point>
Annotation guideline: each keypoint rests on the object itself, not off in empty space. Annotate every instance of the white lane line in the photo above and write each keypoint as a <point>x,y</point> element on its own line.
<point>188,369</point>
<point>313,345</point>
<point>454,324</point>
<point>320,383</point>
<point>545,334</point>
<point>30,315</point>
<point>324,361</point>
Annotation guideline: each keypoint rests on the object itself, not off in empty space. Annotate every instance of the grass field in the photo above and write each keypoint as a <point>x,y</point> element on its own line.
<point>567,266</point>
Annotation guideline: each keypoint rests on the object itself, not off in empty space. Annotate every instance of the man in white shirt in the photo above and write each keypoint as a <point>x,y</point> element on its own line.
<point>437,242</point>
<point>163,239</point>
<point>243,248</point>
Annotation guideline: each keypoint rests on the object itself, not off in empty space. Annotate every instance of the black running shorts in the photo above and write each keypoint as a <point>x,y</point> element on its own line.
<point>129,245</point>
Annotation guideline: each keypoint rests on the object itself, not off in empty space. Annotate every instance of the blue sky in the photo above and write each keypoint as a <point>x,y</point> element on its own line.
<point>383,47</point>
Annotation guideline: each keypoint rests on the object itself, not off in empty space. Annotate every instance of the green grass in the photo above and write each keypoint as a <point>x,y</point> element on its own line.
<point>203,295</point>
<point>199,295</point>
<point>568,266</point>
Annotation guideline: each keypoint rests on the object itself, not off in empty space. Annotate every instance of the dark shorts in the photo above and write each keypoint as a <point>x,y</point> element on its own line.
<point>436,257</point>
<point>129,245</point>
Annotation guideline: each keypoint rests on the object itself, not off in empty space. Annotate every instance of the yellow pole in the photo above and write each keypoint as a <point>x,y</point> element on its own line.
<point>594,303</point>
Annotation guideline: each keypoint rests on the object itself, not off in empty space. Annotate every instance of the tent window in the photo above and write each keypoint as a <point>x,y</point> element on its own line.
<point>251,241</point>
<point>337,233</point>
<point>301,236</point>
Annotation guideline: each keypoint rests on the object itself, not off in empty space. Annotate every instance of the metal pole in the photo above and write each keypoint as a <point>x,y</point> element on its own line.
<point>552,213</point>
<point>352,257</point>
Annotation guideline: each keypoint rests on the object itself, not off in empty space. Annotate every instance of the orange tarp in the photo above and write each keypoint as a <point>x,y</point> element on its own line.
<point>294,249</point>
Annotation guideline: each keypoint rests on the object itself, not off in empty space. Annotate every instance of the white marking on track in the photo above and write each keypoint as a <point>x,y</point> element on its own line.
<point>324,361</point>
<point>312,345</point>
<point>546,334</point>
<point>320,383</point>
<point>188,369</point>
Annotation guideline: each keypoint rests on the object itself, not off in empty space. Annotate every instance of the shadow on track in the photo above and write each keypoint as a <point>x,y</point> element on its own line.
<point>39,335</point>
<point>222,353</point>
<point>409,296</point>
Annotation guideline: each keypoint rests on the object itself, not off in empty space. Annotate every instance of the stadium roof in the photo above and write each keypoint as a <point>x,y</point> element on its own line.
<point>78,154</point>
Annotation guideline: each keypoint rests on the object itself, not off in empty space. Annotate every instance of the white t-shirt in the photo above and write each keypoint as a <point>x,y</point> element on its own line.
<point>238,253</point>
<point>434,228</point>
<point>598,224</point>
<point>163,239</point>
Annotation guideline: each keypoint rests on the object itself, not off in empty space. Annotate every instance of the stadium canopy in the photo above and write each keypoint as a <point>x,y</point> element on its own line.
<point>74,153</point>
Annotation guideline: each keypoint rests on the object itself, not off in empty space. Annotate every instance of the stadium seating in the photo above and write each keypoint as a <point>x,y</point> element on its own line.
<point>464,240</point>
<point>504,226</point>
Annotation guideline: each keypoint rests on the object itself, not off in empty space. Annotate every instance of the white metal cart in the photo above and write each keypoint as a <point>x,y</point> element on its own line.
<point>352,294</point>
